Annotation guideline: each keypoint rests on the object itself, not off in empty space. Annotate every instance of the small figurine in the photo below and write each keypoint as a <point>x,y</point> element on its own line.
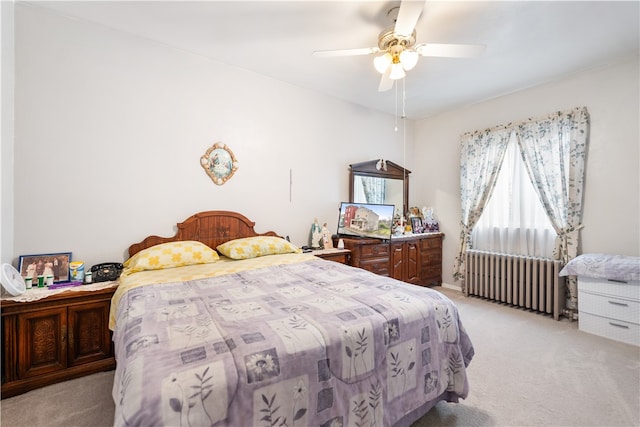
<point>315,236</point>
<point>430,223</point>
<point>398,225</point>
<point>426,211</point>
<point>327,243</point>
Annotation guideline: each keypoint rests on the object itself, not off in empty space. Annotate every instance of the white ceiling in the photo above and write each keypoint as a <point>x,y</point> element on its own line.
<point>527,42</point>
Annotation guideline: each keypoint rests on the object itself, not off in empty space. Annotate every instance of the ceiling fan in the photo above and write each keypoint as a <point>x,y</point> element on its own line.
<point>397,43</point>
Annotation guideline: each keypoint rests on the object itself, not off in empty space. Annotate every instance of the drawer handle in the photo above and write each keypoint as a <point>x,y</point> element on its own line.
<point>616,281</point>
<point>621,304</point>
<point>617,325</point>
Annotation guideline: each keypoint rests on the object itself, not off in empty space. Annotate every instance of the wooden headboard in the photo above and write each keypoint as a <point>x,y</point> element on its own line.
<point>211,228</point>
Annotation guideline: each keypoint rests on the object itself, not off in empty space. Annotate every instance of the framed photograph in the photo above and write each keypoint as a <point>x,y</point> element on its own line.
<point>416,224</point>
<point>55,264</point>
<point>219,163</point>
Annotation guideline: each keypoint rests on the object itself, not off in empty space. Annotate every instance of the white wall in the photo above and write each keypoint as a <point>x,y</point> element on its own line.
<point>110,129</point>
<point>611,214</point>
<point>6,124</point>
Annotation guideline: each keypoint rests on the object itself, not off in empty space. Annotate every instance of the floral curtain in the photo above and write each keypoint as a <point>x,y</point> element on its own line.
<point>554,152</point>
<point>372,187</point>
<point>481,156</point>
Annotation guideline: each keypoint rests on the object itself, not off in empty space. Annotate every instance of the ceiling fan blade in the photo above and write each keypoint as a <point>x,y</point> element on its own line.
<point>385,81</point>
<point>408,17</point>
<point>448,50</point>
<point>345,52</point>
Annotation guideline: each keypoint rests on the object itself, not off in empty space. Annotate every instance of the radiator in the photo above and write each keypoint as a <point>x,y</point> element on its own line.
<point>525,282</point>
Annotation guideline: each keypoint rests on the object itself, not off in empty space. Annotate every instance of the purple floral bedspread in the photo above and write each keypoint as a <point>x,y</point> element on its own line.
<point>313,343</point>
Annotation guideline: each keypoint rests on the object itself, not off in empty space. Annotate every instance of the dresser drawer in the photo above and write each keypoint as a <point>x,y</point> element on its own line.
<point>431,256</point>
<point>431,280</point>
<point>608,306</point>
<point>431,243</point>
<point>432,271</point>
<point>373,251</point>
<point>378,266</point>
<point>629,290</point>
<point>613,329</point>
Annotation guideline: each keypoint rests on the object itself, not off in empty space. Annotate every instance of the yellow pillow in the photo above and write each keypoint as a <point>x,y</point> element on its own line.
<point>172,254</point>
<point>252,247</point>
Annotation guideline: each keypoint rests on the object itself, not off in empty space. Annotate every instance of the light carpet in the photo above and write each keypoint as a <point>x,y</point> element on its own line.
<point>529,370</point>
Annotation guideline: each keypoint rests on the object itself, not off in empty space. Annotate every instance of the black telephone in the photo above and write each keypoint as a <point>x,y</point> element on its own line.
<point>106,271</point>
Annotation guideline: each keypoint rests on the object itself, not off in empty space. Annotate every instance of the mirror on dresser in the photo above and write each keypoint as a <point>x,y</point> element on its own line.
<point>381,182</point>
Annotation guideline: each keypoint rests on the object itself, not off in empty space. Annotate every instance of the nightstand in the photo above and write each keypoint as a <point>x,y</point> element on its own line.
<point>337,255</point>
<point>55,338</point>
<point>609,308</point>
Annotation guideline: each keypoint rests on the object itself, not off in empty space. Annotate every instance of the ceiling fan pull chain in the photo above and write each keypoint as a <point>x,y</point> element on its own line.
<point>396,115</point>
<point>404,144</point>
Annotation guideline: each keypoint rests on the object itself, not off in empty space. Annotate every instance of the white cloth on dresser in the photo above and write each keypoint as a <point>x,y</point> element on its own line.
<point>35,293</point>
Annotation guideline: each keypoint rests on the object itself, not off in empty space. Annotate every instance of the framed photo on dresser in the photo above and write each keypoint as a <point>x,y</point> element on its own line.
<point>416,224</point>
<point>55,264</point>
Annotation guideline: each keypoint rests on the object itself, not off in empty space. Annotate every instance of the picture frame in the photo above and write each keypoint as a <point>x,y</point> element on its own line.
<point>54,263</point>
<point>219,163</point>
<point>416,224</point>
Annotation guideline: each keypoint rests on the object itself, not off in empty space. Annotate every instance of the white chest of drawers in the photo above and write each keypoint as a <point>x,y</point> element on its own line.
<point>610,309</point>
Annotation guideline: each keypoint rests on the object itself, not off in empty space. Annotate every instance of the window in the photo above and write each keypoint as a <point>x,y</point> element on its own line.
<point>514,220</point>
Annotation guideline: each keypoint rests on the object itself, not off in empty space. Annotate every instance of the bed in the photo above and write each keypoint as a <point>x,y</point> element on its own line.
<point>222,326</point>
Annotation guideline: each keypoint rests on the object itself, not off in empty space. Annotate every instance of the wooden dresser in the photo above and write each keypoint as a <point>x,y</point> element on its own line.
<point>413,259</point>
<point>54,339</point>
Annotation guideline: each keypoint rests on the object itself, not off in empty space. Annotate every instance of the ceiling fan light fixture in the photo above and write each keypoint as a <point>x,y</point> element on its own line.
<point>382,62</point>
<point>409,59</point>
<point>397,72</point>
<point>397,51</point>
